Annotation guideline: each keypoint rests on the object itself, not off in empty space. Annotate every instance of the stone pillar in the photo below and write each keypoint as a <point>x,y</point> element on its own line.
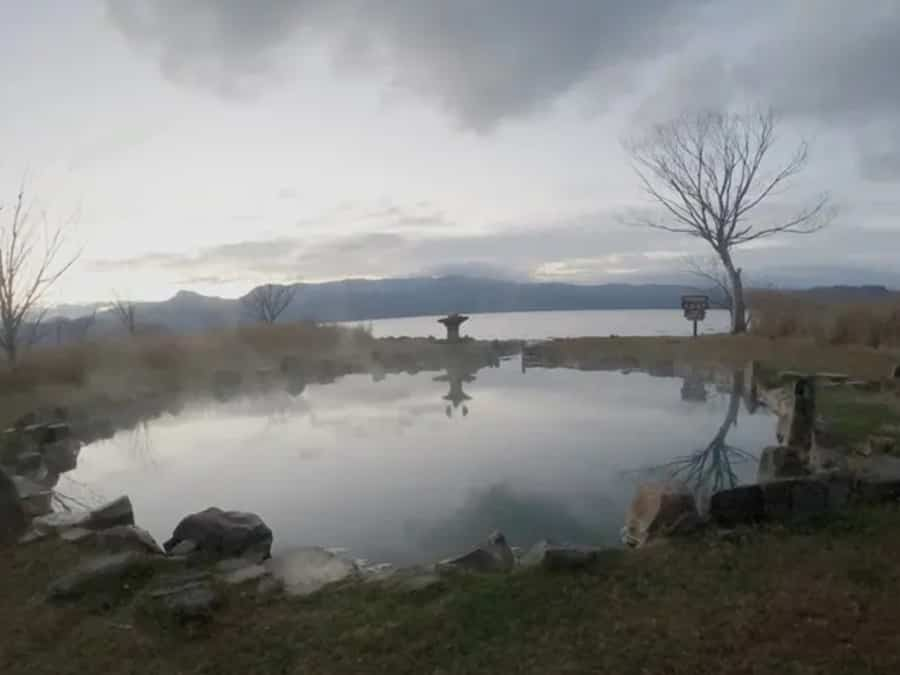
<point>452,323</point>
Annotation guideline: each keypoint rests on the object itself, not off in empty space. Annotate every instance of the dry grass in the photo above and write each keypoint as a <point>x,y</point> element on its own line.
<point>721,351</point>
<point>770,601</point>
<point>871,323</point>
<point>123,367</point>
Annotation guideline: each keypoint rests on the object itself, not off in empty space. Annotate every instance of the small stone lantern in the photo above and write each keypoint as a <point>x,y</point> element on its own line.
<point>452,323</point>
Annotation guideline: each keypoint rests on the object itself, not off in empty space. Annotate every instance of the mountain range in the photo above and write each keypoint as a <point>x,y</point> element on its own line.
<point>360,300</point>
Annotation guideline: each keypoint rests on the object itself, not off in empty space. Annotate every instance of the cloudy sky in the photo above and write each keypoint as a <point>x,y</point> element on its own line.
<point>216,144</point>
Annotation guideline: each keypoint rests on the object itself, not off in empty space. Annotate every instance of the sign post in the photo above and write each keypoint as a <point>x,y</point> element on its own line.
<point>695,307</point>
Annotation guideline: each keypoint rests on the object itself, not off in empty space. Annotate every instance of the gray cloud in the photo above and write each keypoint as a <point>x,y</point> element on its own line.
<point>483,61</point>
<point>480,60</point>
<point>594,248</point>
<point>813,61</point>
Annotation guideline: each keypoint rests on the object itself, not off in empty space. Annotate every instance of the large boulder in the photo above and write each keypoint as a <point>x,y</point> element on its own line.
<point>788,501</point>
<point>13,519</point>
<point>494,555</point>
<point>660,509</point>
<point>218,534</point>
<point>737,506</point>
<point>306,570</point>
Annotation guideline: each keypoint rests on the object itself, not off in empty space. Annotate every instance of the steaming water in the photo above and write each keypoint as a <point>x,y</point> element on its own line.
<point>543,325</point>
<point>394,471</point>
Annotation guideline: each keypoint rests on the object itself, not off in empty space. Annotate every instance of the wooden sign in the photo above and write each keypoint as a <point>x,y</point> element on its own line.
<point>695,307</point>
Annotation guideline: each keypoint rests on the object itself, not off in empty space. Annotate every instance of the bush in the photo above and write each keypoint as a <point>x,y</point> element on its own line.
<point>869,323</point>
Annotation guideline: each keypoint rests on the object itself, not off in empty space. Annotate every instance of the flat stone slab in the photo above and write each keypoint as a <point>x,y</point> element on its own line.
<point>494,555</point>
<point>189,602</point>
<point>244,574</point>
<point>306,570</point>
<point>556,557</point>
<point>76,534</point>
<point>100,573</point>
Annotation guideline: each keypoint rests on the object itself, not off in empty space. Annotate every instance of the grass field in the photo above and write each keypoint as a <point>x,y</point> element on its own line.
<point>768,601</point>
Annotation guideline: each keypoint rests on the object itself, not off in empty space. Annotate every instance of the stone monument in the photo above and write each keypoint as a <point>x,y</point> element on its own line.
<point>452,323</point>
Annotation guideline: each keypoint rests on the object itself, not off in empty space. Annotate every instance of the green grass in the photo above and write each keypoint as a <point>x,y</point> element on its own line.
<point>853,416</point>
<point>774,601</point>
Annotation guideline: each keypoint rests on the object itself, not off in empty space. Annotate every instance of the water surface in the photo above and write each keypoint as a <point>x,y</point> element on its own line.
<point>544,325</point>
<point>414,467</point>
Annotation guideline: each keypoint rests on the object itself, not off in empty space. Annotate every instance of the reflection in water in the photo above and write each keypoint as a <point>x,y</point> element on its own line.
<point>693,389</point>
<point>370,462</point>
<point>456,375</point>
<point>523,517</point>
<point>712,468</point>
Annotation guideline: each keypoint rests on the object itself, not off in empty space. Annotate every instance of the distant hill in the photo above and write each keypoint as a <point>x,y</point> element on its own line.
<point>359,300</point>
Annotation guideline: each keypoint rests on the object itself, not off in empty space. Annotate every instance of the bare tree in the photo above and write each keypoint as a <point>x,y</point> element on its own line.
<point>266,303</point>
<point>709,173</point>
<point>126,313</point>
<point>711,272</point>
<point>31,262</point>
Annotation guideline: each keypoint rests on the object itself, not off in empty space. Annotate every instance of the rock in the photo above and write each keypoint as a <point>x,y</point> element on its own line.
<point>787,501</point>
<point>874,491</point>
<point>802,417</point>
<point>737,506</point>
<point>832,377</point>
<point>116,512</point>
<point>188,602</point>
<point>13,519</point>
<point>865,386</point>
<point>127,538</point>
<point>224,534</point>
<point>556,557</point>
<point>185,547</point>
<point>824,461</point>
<point>60,520</point>
<point>494,555</point>
<point>36,499</point>
<point>58,431</point>
<point>407,579</point>
<point>794,500</point>
<point>244,574</point>
<point>777,400</point>
<point>103,573</point>
<point>37,432</point>
<point>658,510</point>
<point>306,570</point>
<point>74,535</point>
<point>780,462</point>
<point>30,460</point>
<point>61,456</point>
<point>269,585</point>
<point>881,445</point>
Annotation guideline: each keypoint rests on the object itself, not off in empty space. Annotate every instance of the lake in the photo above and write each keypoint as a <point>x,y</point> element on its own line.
<point>544,325</point>
<point>407,468</point>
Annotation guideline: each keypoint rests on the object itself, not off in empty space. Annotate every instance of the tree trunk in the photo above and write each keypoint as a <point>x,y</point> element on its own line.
<point>738,308</point>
